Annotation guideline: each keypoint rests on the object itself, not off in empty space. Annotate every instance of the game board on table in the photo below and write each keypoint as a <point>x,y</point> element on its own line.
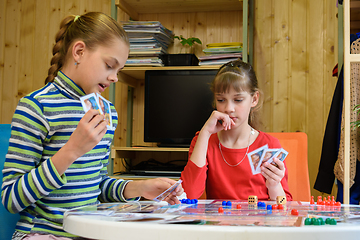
<point>220,212</point>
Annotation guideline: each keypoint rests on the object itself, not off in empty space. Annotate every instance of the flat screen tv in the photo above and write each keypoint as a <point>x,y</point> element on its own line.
<point>177,104</point>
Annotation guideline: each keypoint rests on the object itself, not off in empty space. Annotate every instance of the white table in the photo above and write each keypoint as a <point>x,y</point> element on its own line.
<point>102,227</point>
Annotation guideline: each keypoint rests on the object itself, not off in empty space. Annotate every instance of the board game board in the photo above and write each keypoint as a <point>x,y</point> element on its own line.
<point>237,213</point>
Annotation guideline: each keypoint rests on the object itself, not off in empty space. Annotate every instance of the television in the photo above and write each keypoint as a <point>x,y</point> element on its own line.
<point>177,104</point>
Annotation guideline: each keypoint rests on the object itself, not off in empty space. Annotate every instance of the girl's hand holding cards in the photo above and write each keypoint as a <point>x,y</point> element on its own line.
<point>90,130</point>
<point>265,156</point>
<point>273,172</point>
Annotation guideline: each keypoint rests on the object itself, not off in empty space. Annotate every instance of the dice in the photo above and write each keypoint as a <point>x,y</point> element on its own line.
<point>281,200</point>
<point>252,200</point>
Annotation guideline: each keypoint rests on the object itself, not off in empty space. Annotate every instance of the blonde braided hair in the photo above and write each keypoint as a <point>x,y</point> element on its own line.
<point>93,28</point>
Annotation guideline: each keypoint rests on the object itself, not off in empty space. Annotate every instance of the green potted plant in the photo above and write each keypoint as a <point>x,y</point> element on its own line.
<point>184,59</point>
<point>188,42</point>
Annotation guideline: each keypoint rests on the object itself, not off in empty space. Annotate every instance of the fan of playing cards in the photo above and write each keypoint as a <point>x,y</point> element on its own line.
<point>265,154</point>
<point>97,102</point>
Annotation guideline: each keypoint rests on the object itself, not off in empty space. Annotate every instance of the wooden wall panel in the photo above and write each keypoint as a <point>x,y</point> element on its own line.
<point>27,33</point>
<point>27,30</point>
<point>198,29</point>
<point>298,61</point>
<point>281,66</point>
<point>263,52</point>
<point>9,83</point>
<point>2,44</point>
<point>41,38</point>
<point>295,53</point>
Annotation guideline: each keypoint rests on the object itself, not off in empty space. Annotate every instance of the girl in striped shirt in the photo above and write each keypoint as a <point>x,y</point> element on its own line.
<point>58,154</point>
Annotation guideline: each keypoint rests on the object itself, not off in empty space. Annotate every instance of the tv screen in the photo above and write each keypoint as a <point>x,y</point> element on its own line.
<point>177,104</point>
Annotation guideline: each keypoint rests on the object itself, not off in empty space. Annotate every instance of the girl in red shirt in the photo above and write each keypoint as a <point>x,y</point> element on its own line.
<point>218,155</point>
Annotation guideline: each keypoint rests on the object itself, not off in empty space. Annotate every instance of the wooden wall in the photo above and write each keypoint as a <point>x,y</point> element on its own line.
<point>295,50</point>
<point>27,35</point>
<point>295,53</point>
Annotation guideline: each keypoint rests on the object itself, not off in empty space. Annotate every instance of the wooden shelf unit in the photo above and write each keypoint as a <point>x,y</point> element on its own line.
<point>348,59</point>
<point>130,152</point>
<point>131,75</point>
<point>134,8</point>
<point>211,21</point>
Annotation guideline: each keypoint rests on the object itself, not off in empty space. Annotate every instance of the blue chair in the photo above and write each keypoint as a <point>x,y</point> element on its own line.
<point>7,220</point>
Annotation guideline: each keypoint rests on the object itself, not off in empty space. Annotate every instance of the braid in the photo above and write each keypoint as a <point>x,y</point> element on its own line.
<point>59,51</point>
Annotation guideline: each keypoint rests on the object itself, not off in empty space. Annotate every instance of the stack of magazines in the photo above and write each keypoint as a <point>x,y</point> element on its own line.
<point>220,53</point>
<point>148,40</point>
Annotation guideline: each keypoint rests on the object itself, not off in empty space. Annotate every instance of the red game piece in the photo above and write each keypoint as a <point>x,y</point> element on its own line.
<point>312,200</point>
<point>294,212</point>
<point>274,207</point>
<point>238,206</point>
<point>332,203</point>
<point>221,210</point>
<point>319,200</point>
<point>280,206</point>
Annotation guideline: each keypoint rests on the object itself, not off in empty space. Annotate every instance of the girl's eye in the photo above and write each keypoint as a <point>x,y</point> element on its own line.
<point>219,100</point>
<point>238,100</point>
<point>108,66</point>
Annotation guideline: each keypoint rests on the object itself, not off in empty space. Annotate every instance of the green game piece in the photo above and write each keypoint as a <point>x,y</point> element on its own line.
<point>313,221</point>
<point>307,221</point>
<point>333,221</point>
<point>327,221</point>
<point>317,221</point>
<point>322,222</point>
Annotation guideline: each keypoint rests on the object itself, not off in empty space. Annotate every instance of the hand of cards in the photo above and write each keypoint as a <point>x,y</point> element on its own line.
<point>97,102</point>
<point>265,154</point>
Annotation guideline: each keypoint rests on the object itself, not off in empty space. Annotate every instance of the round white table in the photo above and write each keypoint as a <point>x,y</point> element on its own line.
<point>105,228</point>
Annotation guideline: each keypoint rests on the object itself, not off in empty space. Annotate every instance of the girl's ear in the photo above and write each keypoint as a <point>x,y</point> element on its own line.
<point>78,51</point>
<point>255,99</point>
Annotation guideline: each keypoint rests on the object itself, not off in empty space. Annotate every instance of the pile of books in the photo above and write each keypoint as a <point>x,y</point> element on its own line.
<point>148,40</point>
<point>220,53</point>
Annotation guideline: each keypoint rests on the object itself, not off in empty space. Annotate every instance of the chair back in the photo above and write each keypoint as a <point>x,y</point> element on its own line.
<point>295,143</point>
<point>7,220</point>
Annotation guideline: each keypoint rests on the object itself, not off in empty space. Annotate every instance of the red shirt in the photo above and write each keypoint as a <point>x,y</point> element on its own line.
<point>226,182</point>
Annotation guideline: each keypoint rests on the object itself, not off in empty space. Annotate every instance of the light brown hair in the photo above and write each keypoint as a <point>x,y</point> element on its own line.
<point>240,76</point>
<point>93,28</point>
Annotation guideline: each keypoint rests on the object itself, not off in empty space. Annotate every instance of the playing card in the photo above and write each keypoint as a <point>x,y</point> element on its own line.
<point>167,192</point>
<point>268,156</point>
<point>90,101</point>
<point>281,154</point>
<point>105,107</point>
<point>97,102</point>
<point>255,158</point>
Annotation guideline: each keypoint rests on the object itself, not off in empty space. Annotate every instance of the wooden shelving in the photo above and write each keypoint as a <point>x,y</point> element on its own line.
<point>129,152</point>
<point>130,75</point>
<point>134,8</point>
<point>211,21</point>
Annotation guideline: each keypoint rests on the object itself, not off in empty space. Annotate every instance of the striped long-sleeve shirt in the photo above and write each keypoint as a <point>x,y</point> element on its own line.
<point>42,124</point>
